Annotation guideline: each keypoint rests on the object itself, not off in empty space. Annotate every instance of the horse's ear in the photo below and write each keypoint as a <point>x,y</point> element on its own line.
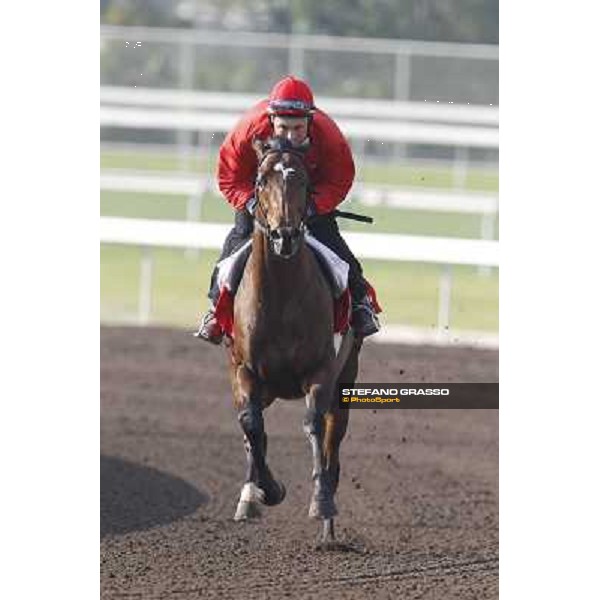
<point>259,147</point>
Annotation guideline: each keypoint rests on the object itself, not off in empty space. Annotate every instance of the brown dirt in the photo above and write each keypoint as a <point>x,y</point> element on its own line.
<point>418,495</point>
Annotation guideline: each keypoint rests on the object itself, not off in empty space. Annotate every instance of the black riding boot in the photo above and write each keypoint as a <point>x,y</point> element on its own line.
<point>364,320</point>
<point>209,329</point>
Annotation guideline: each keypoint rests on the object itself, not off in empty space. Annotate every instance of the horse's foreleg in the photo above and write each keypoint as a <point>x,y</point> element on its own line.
<point>318,399</point>
<point>260,486</point>
<point>251,471</point>
<point>336,423</point>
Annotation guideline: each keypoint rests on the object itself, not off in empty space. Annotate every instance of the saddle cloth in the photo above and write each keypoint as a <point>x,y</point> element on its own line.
<point>231,269</point>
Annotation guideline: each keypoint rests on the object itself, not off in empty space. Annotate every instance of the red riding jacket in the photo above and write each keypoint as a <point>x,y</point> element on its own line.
<point>328,159</point>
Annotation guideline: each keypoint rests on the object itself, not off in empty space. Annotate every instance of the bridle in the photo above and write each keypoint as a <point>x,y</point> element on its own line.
<point>260,221</point>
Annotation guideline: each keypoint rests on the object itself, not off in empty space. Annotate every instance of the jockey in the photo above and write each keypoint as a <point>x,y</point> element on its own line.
<point>290,112</point>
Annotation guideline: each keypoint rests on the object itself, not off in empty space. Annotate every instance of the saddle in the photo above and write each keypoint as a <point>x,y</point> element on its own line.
<point>334,269</point>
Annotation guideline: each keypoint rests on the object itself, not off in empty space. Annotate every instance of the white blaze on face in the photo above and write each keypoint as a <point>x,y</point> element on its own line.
<point>286,171</point>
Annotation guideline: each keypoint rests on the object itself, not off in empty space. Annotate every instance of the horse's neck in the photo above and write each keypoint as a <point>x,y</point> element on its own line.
<point>274,273</point>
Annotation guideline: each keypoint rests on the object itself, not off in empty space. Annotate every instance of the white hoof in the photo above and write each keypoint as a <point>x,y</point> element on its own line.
<point>246,511</point>
<point>248,506</point>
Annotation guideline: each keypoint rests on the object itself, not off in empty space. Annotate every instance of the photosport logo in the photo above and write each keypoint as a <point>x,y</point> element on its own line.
<point>418,395</point>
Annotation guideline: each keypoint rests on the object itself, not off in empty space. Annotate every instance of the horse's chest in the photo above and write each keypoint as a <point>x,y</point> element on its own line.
<point>287,346</point>
<point>283,324</point>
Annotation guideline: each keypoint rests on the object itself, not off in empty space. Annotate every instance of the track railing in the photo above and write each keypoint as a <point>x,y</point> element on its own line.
<point>446,252</point>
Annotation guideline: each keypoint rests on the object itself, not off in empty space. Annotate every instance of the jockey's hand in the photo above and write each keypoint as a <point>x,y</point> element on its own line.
<point>251,205</point>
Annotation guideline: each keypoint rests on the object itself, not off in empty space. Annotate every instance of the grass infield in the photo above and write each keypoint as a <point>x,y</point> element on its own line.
<point>408,292</point>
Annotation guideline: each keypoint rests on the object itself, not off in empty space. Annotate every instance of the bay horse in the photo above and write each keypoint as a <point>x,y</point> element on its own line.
<point>283,338</point>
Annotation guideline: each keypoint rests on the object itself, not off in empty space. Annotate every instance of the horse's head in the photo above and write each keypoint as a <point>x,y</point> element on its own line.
<point>281,194</point>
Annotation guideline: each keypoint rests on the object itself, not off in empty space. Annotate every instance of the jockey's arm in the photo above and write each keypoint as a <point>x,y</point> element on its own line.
<point>236,168</point>
<point>336,173</point>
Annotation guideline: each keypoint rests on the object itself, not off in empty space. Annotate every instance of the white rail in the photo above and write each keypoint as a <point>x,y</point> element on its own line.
<point>418,199</point>
<point>382,246</point>
<point>148,233</point>
<point>159,183</point>
<point>371,195</point>
<point>246,39</point>
<point>336,107</point>
<point>381,130</point>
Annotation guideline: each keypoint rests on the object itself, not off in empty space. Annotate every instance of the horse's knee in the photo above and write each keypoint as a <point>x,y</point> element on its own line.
<point>251,421</point>
<point>313,422</point>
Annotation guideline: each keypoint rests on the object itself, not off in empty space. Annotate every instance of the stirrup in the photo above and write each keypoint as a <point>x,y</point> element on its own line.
<point>209,329</point>
<point>364,320</point>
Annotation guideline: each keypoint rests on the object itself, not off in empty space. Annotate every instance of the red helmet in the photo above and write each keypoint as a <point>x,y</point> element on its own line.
<point>292,97</point>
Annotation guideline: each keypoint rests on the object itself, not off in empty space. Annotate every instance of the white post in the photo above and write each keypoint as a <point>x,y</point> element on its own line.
<point>402,77</point>
<point>444,300</point>
<point>296,58</point>
<point>193,211</point>
<point>487,233</point>
<point>145,291</point>
<point>194,202</point>
<point>461,159</point>
<point>186,82</point>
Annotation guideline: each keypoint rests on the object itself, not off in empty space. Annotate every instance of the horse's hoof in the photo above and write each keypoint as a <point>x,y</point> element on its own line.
<point>321,508</point>
<point>248,506</point>
<point>328,534</point>
<point>275,495</point>
<point>246,511</point>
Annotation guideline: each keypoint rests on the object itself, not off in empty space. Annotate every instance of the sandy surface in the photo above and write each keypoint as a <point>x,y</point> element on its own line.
<point>418,495</point>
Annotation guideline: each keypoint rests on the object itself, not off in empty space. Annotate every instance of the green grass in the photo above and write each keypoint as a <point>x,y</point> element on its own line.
<point>139,160</point>
<point>407,292</point>
<point>143,206</point>
<point>478,179</point>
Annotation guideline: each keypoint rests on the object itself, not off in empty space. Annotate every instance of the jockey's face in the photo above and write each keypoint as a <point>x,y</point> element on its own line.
<point>294,129</point>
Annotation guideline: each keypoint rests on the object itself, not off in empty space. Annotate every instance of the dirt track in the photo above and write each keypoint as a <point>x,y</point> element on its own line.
<point>418,496</point>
